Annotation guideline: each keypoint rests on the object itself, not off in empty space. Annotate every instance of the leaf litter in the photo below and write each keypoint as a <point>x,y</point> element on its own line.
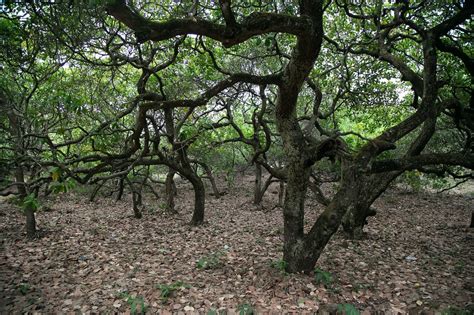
<point>95,257</point>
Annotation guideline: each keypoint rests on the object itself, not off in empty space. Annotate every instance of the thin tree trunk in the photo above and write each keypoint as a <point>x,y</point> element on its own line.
<point>15,130</point>
<point>96,191</point>
<point>120,189</point>
<point>137,204</point>
<point>30,222</point>
<point>472,220</point>
<point>209,175</point>
<point>257,192</point>
<point>199,200</point>
<point>136,199</point>
<point>170,192</point>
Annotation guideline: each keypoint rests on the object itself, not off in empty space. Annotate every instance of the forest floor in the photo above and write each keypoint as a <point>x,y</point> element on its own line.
<point>96,258</point>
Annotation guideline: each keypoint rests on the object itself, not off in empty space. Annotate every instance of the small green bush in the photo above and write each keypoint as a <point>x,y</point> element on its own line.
<point>134,302</point>
<point>280,265</point>
<point>323,277</point>
<point>211,261</point>
<point>245,309</point>
<point>347,309</point>
<point>168,289</point>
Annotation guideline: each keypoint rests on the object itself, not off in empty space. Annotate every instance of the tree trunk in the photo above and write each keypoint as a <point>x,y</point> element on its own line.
<point>199,200</point>
<point>293,214</point>
<point>472,220</point>
<point>294,247</point>
<point>208,171</point>
<point>30,222</point>
<point>281,193</point>
<point>120,189</point>
<point>370,188</point>
<point>257,192</point>
<point>137,204</point>
<point>16,132</point>
<point>170,192</point>
<point>326,225</point>
<point>354,221</point>
<point>95,191</point>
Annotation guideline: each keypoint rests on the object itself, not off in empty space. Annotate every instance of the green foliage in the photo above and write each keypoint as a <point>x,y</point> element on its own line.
<point>347,309</point>
<point>167,290</point>
<point>24,288</point>
<point>459,267</point>
<point>323,277</point>
<point>280,265</point>
<point>412,179</point>
<point>245,309</point>
<point>418,181</point>
<point>211,261</point>
<point>30,202</point>
<point>452,310</point>
<point>216,312</point>
<point>137,303</point>
<point>62,187</point>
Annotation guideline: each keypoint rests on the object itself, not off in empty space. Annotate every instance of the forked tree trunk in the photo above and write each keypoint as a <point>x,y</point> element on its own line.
<point>310,247</point>
<point>209,176</point>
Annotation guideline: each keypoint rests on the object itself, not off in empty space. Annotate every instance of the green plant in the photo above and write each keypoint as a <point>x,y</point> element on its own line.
<point>323,277</point>
<point>168,289</point>
<point>30,202</point>
<point>455,311</point>
<point>245,309</point>
<point>459,267</point>
<point>211,261</point>
<point>133,302</point>
<point>62,186</point>
<point>412,179</point>
<point>280,265</point>
<point>347,309</point>
<point>215,312</point>
<point>24,288</point>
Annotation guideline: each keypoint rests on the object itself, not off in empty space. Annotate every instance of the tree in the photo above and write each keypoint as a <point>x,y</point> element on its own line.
<point>301,250</point>
<point>180,64</point>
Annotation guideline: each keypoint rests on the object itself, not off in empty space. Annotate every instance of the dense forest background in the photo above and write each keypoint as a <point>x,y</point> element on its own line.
<point>314,116</point>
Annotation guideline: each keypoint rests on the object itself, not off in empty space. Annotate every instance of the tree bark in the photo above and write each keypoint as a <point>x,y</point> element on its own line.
<point>120,189</point>
<point>137,204</point>
<point>281,193</point>
<point>170,192</point>
<point>209,175</point>
<point>30,222</point>
<point>199,199</point>
<point>257,191</point>
<point>18,145</point>
<point>370,188</point>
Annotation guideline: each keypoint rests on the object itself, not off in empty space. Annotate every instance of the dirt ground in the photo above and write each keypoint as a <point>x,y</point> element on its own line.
<point>96,258</point>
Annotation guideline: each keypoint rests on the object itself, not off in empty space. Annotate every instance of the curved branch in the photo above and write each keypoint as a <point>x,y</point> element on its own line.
<point>229,35</point>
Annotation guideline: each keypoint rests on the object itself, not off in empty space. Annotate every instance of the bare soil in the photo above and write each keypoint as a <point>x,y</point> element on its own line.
<point>96,258</point>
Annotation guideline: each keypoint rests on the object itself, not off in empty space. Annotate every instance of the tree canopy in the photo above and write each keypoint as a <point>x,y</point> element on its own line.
<point>136,91</point>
